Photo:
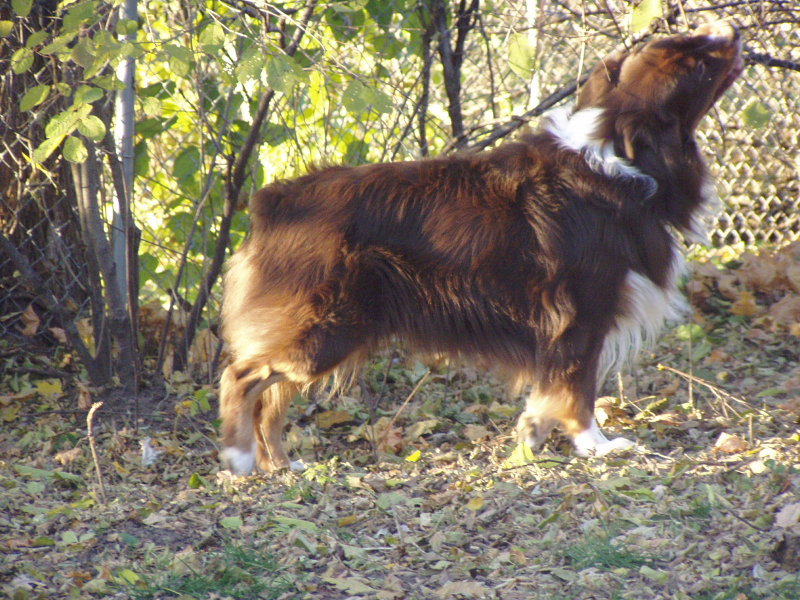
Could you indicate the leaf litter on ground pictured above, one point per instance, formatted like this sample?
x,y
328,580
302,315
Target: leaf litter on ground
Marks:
x,y
415,486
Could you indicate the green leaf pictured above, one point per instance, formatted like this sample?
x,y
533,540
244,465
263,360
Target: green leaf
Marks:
x,y
195,481
212,38
151,107
660,577
757,114
7,27
690,332
388,499
292,523
187,163
74,150
109,82
93,128
276,134
231,522
78,14
141,161
87,94
36,39
42,541
32,472
69,537
356,153
644,13
281,74
359,98
251,64
58,44
345,21
46,148
129,540
64,122
34,487
147,128
21,60
22,7
34,96
127,27
354,97
377,100
128,576
83,53
521,55
180,59
67,477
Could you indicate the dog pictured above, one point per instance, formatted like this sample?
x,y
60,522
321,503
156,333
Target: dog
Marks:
x,y
551,259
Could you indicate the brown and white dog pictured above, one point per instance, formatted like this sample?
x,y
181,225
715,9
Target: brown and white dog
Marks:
x,y
552,258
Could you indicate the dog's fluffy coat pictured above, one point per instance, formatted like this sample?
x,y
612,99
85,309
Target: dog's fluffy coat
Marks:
x,y
549,258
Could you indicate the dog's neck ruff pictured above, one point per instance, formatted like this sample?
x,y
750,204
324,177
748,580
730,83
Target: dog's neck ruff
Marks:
x,y
577,131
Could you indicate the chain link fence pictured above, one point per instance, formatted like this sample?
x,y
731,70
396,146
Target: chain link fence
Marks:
x,y
750,139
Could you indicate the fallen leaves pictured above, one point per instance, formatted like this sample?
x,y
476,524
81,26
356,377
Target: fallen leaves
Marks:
x,y
438,501
30,321
765,285
730,443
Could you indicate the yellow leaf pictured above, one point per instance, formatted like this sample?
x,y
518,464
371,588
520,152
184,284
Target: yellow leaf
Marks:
x,y
745,305
522,455
331,418
120,469
475,503
9,413
414,456
50,388
348,520
645,13
183,408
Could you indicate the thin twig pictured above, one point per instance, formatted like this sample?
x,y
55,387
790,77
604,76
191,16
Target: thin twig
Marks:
x,y
410,396
717,391
93,446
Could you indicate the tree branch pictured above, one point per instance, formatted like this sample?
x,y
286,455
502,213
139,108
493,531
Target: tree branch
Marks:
x,y
752,58
235,182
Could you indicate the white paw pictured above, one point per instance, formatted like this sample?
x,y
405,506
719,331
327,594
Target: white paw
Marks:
x,y
298,466
615,445
592,442
238,461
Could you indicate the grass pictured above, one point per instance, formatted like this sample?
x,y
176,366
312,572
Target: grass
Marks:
x,y
236,571
600,552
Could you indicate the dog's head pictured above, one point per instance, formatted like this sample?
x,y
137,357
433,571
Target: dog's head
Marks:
x,y
667,85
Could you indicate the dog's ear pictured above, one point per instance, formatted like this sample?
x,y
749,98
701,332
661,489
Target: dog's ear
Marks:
x,y
645,141
603,78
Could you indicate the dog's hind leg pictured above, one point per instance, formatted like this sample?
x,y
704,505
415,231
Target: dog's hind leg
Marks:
x,y
270,417
241,387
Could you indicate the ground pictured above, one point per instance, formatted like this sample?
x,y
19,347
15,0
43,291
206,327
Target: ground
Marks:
x,y
415,488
